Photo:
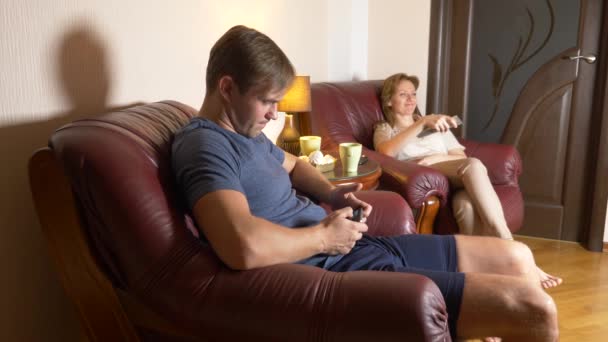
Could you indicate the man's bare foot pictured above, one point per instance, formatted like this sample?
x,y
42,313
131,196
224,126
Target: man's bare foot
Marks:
x,y
547,280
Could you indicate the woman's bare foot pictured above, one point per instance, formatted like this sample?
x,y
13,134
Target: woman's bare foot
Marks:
x,y
547,280
492,339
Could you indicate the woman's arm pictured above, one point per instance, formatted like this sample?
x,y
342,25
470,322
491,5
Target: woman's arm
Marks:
x,y
392,146
438,122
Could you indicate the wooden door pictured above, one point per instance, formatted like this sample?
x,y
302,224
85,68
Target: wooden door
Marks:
x,y
511,69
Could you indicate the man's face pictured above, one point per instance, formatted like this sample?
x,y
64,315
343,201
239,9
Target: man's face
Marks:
x,y
250,112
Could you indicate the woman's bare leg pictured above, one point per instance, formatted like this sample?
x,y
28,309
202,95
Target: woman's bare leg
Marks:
x,y
471,174
467,219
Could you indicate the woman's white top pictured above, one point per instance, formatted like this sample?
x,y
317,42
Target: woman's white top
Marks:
x,y
420,146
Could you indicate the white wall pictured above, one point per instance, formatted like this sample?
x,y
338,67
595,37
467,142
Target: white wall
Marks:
x,y
63,59
347,39
399,40
151,51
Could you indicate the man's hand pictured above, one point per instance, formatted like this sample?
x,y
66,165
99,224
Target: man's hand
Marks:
x,y
339,234
343,196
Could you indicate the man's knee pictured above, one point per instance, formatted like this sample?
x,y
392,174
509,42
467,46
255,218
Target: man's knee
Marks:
x,y
520,257
541,311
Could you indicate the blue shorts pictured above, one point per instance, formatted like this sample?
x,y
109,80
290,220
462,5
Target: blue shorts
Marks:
x,y
433,256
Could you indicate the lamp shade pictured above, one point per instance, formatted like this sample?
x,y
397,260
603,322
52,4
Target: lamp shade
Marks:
x,y
297,98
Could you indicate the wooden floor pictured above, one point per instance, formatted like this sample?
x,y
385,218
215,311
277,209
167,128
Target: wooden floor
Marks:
x,y
582,300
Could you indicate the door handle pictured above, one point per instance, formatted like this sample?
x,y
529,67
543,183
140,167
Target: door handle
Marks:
x,y
590,59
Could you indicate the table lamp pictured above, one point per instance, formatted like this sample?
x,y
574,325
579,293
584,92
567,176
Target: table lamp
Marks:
x,y
296,100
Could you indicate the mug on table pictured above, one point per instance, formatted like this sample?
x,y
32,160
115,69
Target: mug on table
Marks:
x,y
350,154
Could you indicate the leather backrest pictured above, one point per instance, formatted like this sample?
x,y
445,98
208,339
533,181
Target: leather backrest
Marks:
x,y
119,168
346,112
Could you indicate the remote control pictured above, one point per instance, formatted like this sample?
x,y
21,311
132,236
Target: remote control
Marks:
x,y
457,119
357,215
428,131
363,159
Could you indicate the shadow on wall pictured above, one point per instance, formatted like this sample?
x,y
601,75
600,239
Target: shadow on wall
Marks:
x,y
34,304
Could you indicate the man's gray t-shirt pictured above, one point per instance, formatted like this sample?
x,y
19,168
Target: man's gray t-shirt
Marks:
x,y
207,158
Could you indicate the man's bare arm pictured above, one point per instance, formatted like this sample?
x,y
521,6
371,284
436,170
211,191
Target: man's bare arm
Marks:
x,y
243,241
306,178
309,180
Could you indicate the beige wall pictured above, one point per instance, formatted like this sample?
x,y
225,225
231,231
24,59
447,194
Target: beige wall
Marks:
x,y
65,59
148,51
399,40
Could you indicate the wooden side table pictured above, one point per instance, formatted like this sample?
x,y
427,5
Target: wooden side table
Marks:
x,y
367,174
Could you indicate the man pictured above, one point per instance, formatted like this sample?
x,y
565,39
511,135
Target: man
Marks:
x,y
240,188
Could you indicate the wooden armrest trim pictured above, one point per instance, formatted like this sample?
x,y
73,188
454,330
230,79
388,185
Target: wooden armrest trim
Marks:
x,y
426,215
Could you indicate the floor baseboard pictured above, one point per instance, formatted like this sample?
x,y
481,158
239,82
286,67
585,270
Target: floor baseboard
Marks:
x,y
606,247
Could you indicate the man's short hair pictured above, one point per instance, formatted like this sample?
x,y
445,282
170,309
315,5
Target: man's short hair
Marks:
x,y
251,58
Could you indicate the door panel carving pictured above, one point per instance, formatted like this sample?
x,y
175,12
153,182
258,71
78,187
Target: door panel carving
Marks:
x,y
508,72
538,128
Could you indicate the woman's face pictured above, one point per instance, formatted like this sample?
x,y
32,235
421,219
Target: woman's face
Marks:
x,y
403,101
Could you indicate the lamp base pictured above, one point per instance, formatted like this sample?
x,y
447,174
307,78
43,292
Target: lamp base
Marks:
x,y
289,139
291,147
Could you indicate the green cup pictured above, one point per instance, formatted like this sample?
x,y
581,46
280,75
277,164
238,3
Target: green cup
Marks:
x,y
309,144
350,153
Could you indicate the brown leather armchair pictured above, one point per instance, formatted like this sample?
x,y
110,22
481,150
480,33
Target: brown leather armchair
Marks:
x,y
130,260
347,111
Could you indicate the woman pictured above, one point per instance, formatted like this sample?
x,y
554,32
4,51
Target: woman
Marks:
x,y
427,140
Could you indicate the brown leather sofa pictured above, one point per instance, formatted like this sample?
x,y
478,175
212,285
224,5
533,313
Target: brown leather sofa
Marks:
x,y
130,260
347,111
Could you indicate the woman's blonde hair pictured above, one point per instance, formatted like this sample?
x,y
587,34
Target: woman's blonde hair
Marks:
x,y
388,89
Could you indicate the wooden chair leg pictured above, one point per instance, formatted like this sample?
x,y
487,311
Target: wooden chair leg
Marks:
x,y
426,215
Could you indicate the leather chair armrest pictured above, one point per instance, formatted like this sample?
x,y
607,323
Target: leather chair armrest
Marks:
x,y
502,161
391,215
304,303
416,183
368,314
